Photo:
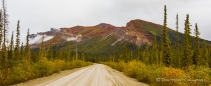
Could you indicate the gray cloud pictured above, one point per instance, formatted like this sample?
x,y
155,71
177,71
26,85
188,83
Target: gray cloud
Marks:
x,y
41,15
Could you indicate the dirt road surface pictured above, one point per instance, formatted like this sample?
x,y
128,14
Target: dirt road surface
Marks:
x,y
95,75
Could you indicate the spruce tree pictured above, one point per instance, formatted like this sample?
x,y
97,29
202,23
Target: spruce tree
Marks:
x,y
27,48
5,22
68,53
1,35
17,44
11,47
146,54
205,54
209,58
177,44
125,53
187,53
4,52
196,52
177,32
1,28
21,51
160,52
50,53
56,51
167,59
155,51
61,55
42,51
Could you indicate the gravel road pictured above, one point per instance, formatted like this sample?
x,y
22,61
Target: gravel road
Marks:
x,y
95,75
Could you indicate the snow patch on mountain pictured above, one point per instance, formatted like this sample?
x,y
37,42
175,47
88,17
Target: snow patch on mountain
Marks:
x,y
71,38
75,38
38,39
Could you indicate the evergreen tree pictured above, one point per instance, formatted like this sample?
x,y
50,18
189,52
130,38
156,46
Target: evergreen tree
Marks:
x,y
76,53
56,51
61,55
16,51
42,51
50,53
83,56
1,28
4,52
21,51
209,56
68,53
10,53
5,23
187,53
155,51
27,49
125,53
146,54
177,32
167,59
160,52
196,52
177,45
205,54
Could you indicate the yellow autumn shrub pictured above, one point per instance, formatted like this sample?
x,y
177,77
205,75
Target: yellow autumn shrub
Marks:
x,y
21,72
172,76
120,65
200,73
133,67
58,65
149,74
44,68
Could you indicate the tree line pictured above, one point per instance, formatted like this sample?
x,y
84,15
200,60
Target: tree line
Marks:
x,y
191,51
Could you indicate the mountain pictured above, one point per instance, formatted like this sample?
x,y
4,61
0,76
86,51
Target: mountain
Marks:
x,y
103,38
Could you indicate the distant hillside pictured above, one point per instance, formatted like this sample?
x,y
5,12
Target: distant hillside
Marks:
x,y
104,38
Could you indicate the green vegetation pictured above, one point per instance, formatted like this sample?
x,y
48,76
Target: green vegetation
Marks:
x,y
165,64
167,56
187,58
158,75
18,64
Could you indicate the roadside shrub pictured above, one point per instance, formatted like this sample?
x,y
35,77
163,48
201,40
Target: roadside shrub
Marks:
x,y
159,75
172,76
21,72
69,65
202,73
111,64
44,68
24,70
133,67
149,74
120,65
79,63
58,66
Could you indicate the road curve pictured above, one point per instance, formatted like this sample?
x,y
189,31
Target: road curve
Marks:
x,y
95,75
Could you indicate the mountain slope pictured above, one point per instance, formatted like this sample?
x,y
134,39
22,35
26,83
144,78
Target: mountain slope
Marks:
x,y
105,38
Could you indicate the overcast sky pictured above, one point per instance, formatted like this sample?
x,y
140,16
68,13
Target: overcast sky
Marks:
x,y
41,15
